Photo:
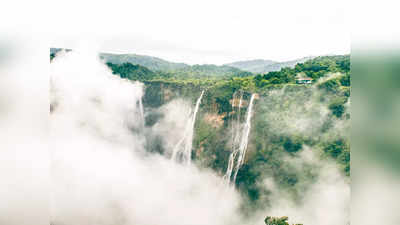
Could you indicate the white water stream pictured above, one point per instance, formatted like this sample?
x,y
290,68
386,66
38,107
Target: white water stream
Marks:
x,y
240,142
182,151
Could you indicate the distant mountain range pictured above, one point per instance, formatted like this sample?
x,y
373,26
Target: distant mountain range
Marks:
x,y
167,68
265,66
239,68
153,63
157,64
252,65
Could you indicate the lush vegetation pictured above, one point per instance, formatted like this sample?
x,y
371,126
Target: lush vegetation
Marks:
x,y
277,221
288,118
199,74
211,76
146,68
132,72
207,71
170,70
272,138
319,66
315,68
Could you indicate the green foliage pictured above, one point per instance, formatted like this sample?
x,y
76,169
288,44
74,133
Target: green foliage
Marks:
x,y
277,220
337,106
180,71
132,72
246,180
285,75
153,96
292,144
273,140
314,68
335,148
146,68
345,80
319,66
331,85
208,71
339,150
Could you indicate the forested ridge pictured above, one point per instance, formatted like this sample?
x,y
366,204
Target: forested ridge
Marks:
x,y
200,75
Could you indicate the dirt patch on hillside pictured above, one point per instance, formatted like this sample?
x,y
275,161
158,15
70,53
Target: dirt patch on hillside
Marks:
x,y
215,120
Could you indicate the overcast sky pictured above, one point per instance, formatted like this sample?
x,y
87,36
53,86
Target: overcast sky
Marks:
x,y
206,31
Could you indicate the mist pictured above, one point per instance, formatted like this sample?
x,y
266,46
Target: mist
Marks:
x,y
172,126
325,200
24,156
100,174
103,170
321,193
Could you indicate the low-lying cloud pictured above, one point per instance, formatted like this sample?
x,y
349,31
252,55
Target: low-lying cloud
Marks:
x,y
99,173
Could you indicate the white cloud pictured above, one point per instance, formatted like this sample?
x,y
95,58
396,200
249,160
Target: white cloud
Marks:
x,y
100,172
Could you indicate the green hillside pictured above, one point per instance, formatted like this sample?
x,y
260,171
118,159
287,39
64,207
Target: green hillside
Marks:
x,y
153,63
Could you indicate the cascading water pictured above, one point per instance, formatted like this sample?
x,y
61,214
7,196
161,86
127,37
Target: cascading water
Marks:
x,y
182,151
141,112
240,151
245,137
235,139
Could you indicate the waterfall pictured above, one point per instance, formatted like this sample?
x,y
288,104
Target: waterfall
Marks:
x,y
235,138
240,150
183,149
141,112
245,137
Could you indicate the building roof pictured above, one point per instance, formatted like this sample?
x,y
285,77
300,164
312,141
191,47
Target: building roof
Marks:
x,y
304,78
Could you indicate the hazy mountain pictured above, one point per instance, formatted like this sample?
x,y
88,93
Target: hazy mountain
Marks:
x,y
153,63
125,64
280,65
265,66
255,66
158,64
174,69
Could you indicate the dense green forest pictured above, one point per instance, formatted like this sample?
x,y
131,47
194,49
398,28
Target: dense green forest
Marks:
x,y
196,72
272,135
288,118
200,75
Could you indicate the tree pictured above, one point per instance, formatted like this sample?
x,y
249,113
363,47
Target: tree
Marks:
x,y
277,220
337,107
